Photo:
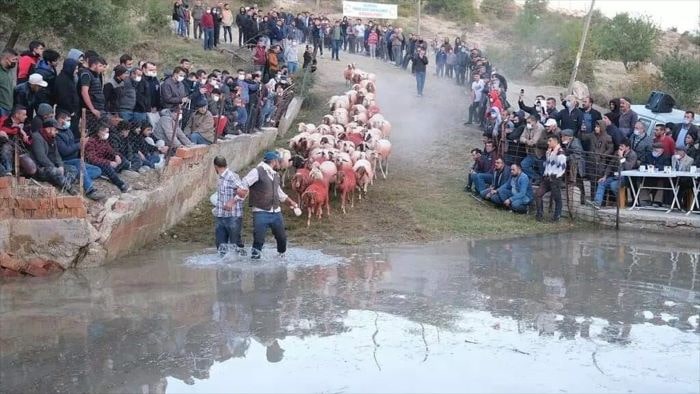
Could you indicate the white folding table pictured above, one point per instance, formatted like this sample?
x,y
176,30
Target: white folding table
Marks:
x,y
673,180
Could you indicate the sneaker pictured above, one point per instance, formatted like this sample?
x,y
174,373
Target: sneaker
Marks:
x,y
282,256
593,204
94,194
467,189
241,252
125,188
255,254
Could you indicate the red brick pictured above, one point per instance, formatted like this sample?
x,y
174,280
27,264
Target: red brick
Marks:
x,y
9,261
5,182
80,213
63,213
22,180
73,201
5,213
42,213
175,162
184,153
46,203
18,213
5,193
58,203
27,203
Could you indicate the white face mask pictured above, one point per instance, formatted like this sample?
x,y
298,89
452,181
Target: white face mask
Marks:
x,y
686,121
656,153
677,157
105,137
215,98
529,126
151,74
137,79
66,126
180,78
637,132
241,77
215,84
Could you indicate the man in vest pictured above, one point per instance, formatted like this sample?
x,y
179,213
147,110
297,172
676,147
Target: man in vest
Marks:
x,y
266,195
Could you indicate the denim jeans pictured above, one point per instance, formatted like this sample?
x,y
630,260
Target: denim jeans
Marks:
x,y
292,67
151,160
208,38
611,183
482,180
420,81
111,173
532,167
199,139
136,117
264,220
91,172
227,230
335,49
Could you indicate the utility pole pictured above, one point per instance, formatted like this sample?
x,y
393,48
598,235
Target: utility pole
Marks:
x,y
583,44
318,5
419,10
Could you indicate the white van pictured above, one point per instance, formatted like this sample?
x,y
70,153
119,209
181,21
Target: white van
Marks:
x,y
651,119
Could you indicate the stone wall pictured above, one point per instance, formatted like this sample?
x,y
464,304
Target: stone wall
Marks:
x,y
36,223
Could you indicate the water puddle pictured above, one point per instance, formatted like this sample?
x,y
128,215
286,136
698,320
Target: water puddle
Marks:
x,y
581,312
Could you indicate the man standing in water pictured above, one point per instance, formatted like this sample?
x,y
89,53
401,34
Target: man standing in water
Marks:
x,y
228,209
263,183
420,61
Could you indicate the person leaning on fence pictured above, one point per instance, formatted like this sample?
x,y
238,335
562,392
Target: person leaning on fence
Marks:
x,y
553,179
610,181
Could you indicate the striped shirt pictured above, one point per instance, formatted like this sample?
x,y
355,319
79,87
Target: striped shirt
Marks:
x,y
227,185
555,163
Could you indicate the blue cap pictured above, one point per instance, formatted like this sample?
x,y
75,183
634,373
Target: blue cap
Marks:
x,y
271,155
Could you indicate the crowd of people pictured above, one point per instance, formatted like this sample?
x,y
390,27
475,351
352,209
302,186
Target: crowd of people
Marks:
x,y
135,115
547,145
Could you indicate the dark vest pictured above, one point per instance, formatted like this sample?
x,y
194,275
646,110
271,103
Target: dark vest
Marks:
x,y
95,90
263,193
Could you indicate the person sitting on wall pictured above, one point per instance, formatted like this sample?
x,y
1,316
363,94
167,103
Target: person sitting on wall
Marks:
x,y
100,153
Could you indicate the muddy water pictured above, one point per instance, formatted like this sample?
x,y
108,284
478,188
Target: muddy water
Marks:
x,y
584,312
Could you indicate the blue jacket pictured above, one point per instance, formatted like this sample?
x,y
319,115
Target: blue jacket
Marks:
x,y
520,188
68,148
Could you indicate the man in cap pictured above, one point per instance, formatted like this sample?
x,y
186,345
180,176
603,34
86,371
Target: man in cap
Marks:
x,y
228,209
200,125
32,93
45,153
266,195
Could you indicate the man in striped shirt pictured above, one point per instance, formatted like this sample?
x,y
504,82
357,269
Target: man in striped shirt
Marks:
x,y
553,179
228,210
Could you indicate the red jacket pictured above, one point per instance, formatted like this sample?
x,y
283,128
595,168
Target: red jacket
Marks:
x,y
6,126
668,143
99,152
207,21
259,56
26,64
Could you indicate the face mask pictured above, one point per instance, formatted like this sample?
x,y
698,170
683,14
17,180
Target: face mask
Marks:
x,y
152,74
180,78
656,153
66,126
215,84
215,98
241,77
637,132
105,137
686,121
137,79
677,157
529,126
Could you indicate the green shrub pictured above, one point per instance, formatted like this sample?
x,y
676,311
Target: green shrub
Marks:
x,y
681,74
156,17
499,8
462,10
627,39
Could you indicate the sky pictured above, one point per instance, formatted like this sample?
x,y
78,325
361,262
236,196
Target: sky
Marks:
x,y
682,14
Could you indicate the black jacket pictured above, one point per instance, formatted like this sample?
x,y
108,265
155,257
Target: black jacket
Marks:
x,y
45,153
66,94
68,148
570,120
692,130
419,63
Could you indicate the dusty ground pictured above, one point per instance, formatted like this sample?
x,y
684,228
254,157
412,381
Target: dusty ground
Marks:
x,y
422,200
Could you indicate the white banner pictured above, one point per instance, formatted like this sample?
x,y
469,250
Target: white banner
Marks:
x,y
358,9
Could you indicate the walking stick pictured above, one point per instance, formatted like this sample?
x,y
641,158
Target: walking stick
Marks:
x,y
218,119
16,158
82,126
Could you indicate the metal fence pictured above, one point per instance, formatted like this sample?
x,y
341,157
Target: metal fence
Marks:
x,y
584,170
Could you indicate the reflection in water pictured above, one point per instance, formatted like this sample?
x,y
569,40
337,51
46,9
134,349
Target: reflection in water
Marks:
x,y
582,312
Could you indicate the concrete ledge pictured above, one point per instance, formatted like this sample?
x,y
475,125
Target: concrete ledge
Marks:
x,y
130,220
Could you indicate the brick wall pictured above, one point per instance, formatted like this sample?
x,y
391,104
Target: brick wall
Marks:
x,y
20,200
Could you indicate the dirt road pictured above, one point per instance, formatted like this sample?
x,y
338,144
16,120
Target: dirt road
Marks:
x,y
422,200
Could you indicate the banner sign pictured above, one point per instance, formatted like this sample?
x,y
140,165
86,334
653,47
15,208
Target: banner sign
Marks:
x,y
358,9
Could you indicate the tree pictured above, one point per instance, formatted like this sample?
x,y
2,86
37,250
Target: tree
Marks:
x,y
102,23
627,39
681,74
499,8
459,9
